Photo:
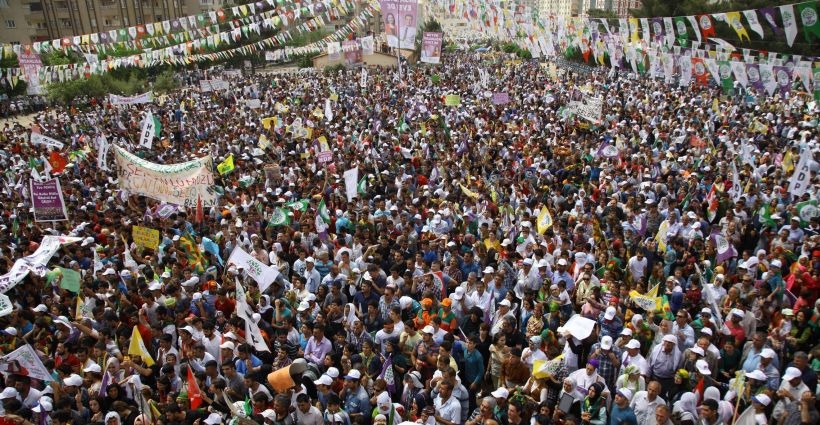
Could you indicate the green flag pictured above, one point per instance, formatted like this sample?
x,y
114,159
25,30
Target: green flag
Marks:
x,y
324,214
806,211
361,187
435,78
726,79
300,205
681,33
809,19
70,280
280,217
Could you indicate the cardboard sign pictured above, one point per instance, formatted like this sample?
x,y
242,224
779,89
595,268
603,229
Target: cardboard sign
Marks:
x,y
145,237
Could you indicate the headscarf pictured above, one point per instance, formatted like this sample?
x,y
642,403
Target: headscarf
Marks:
x,y
687,404
351,315
112,415
575,393
593,404
267,306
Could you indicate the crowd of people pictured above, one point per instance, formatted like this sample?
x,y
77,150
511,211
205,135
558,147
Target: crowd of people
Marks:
x,y
441,293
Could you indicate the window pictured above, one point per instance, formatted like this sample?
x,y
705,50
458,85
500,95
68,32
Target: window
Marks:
x,y
10,23
41,26
158,18
35,7
93,23
107,22
66,23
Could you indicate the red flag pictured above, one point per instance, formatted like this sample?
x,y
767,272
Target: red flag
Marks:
x,y
193,390
200,214
707,27
57,162
700,71
697,142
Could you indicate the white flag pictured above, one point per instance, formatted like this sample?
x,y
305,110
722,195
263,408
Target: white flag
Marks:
x,y
328,110
754,23
148,131
789,22
802,174
262,274
24,361
351,181
363,78
737,191
252,333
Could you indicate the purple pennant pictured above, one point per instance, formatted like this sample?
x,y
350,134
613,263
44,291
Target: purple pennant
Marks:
x,y
753,74
784,79
657,27
769,16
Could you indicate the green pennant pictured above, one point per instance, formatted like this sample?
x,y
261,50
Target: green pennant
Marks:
x,y
300,205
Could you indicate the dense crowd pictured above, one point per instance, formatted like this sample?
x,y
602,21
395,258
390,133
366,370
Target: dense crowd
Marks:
x,y
441,293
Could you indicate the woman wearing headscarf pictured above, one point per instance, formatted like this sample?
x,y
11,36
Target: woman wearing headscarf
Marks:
x,y
568,388
686,409
112,418
412,386
593,409
725,408
631,379
265,308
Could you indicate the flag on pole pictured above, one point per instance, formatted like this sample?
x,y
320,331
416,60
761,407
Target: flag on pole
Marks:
x,y
137,347
361,187
194,394
300,205
200,213
712,205
387,374
725,250
279,217
24,361
150,128
323,212
544,220
226,166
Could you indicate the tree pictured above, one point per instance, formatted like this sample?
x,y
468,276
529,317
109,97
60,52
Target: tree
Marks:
x,y
600,13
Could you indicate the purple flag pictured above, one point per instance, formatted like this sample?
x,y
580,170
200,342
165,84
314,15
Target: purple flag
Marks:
x,y
723,248
657,28
753,74
784,79
104,384
768,16
388,375
607,150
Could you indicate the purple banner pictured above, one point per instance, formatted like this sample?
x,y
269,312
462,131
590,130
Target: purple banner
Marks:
x,y
431,47
784,79
768,16
753,72
502,98
47,199
400,22
352,52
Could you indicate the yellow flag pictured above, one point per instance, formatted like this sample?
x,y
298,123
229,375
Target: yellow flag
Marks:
x,y
633,30
544,220
226,166
788,162
267,121
137,347
653,292
733,19
468,192
78,313
661,236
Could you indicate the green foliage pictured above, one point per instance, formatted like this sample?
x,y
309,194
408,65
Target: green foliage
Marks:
x,y
66,91
165,82
431,25
524,54
510,48
333,69
60,58
18,90
303,61
601,13
9,61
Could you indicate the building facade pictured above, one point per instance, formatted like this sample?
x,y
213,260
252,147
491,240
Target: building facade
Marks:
x,y
26,21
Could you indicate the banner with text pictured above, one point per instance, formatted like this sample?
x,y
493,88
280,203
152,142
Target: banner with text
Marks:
x,y
48,202
145,237
400,22
589,108
35,262
431,47
181,184
115,100
30,63
262,274
213,85
39,139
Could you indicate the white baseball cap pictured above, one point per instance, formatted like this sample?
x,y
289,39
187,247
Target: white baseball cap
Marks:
x,y
353,374
703,367
767,353
610,313
500,393
324,380
633,343
792,373
73,380
756,374
606,342
95,368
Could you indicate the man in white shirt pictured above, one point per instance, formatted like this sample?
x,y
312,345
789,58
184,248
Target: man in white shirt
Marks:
x,y
790,391
632,356
532,353
448,408
644,403
307,414
637,266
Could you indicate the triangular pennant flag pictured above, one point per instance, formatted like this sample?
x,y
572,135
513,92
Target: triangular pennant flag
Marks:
x,y
137,347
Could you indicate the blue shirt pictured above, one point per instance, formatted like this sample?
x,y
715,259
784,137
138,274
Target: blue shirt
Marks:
x,y
473,367
357,401
623,416
242,368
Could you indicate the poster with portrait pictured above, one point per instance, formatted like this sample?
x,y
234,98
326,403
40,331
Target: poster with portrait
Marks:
x,y
367,45
334,51
399,17
352,51
431,47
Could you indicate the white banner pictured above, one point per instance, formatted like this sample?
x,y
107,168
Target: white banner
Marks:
x,y
367,45
180,184
589,108
115,100
262,274
213,85
351,181
39,139
24,361
35,262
